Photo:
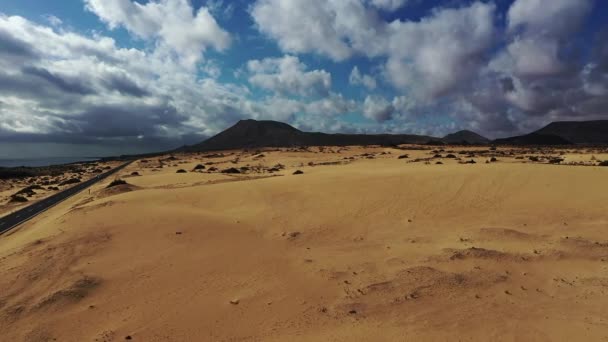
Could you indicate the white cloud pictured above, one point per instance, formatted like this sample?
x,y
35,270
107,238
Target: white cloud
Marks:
x,y
334,28
53,20
334,104
539,30
441,52
388,5
287,75
170,21
548,17
221,9
432,56
378,108
356,78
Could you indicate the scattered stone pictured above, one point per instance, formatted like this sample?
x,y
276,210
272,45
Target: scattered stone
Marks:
x,y
403,156
298,172
352,312
181,171
294,235
128,337
199,167
412,295
235,301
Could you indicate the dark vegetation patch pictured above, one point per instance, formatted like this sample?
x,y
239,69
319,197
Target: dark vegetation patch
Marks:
x,y
199,167
17,199
116,182
231,170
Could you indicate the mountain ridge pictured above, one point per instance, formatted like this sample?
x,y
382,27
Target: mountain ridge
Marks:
x,y
255,134
465,137
249,133
563,133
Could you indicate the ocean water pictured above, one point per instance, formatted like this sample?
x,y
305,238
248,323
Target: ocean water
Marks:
x,y
43,161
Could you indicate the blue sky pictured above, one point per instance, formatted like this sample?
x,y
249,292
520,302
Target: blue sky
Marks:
x,y
101,77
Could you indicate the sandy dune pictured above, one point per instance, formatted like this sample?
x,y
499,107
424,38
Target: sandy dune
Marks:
x,y
363,246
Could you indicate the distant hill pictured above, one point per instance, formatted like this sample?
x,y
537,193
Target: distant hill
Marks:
x,y
579,132
255,134
465,137
533,139
564,133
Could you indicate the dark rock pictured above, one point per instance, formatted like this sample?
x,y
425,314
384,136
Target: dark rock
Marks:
x,y
231,170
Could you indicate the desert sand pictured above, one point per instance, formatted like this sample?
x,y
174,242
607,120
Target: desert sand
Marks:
x,y
363,246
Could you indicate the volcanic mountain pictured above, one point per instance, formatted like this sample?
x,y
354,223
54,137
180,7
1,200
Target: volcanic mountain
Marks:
x,y
564,133
254,134
465,137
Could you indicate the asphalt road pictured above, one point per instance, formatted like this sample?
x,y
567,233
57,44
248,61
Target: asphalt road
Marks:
x,y
13,220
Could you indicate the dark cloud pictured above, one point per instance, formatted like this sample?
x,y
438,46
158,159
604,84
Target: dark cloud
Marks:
x,y
507,85
11,47
125,86
113,121
67,85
